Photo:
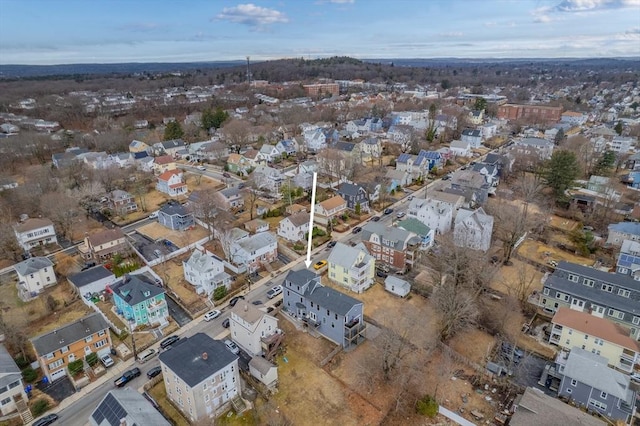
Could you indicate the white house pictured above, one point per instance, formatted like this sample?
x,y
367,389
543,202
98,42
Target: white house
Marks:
x,y
294,227
622,144
268,179
92,281
473,136
315,140
460,148
11,385
437,215
397,286
473,229
534,146
205,271
329,209
489,130
34,274
254,250
250,328
35,232
170,183
287,147
351,267
264,371
269,152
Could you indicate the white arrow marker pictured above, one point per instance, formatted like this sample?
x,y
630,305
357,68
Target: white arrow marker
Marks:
x,y
313,207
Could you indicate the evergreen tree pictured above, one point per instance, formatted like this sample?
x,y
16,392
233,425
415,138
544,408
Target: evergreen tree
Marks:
x,y
559,137
618,128
173,131
606,162
219,117
560,172
481,104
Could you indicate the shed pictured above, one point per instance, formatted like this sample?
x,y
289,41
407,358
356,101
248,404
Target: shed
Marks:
x,y
264,371
397,286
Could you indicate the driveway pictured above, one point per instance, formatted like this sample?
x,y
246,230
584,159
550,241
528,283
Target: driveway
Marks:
x,y
177,313
529,370
58,390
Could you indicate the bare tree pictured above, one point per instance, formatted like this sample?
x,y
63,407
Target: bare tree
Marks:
x,y
62,211
236,133
457,309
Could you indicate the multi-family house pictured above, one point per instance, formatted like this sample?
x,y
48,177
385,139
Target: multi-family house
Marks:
x,y
473,137
355,195
12,390
622,144
473,186
170,147
460,148
315,140
254,250
396,179
488,130
475,117
621,231
333,314
268,179
138,146
35,232
121,202
605,295
415,165
140,302
473,229
629,259
426,234
600,336
69,342
175,216
371,149
253,330
536,147
205,271
201,377
293,228
126,407
229,198
171,183
502,161
34,275
287,147
163,163
351,267
435,214
269,153
393,248
574,118
103,244
92,281
326,210
236,163
588,382
633,162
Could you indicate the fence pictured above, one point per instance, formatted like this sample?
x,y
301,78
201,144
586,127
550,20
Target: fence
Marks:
x,y
95,308
288,252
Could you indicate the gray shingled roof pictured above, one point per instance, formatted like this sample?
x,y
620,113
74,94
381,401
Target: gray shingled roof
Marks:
x,y
344,255
133,290
174,209
535,409
31,265
187,361
592,370
69,333
326,297
9,371
127,404
388,233
90,276
347,188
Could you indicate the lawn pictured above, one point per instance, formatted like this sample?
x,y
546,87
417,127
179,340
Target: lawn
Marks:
x,y
542,254
159,394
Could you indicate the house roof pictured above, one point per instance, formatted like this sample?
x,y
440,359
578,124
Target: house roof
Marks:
x,y
404,158
126,404
32,223
469,178
164,159
345,146
254,224
594,326
414,225
251,154
169,174
103,237
31,265
133,290
174,209
395,281
346,256
326,297
90,276
172,144
69,333
395,237
7,364
332,203
197,358
534,408
592,370
451,199
536,142
347,188
299,219
631,228
257,241
204,261
459,144
261,364
234,158
267,149
248,312
482,219
472,132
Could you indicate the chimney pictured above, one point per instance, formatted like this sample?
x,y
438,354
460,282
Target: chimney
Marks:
x,y
205,356
123,422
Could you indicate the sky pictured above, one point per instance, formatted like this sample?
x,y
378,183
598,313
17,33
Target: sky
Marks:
x,y
45,32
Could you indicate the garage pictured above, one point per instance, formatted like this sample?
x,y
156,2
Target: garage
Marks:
x,y
58,374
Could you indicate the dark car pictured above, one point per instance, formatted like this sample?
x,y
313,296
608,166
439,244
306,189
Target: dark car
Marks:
x,y
169,341
127,377
375,218
356,229
227,175
257,302
235,300
388,211
331,244
447,177
381,274
226,323
46,420
154,372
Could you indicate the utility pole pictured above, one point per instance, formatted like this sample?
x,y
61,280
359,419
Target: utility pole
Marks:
x,y
248,72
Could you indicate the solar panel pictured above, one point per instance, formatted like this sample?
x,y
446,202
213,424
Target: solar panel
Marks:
x,y
109,410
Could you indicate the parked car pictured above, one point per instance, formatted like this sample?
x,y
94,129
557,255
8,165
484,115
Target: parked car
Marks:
x,y
227,175
127,377
211,315
274,291
154,372
203,168
257,302
146,355
106,360
410,197
320,264
356,230
46,420
232,347
331,244
153,215
169,341
375,219
400,215
635,377
235,300
388,211
226,323
447,177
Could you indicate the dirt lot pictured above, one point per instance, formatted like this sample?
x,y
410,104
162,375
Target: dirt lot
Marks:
x,y
155,231
172,274
563,224
537,252
509,277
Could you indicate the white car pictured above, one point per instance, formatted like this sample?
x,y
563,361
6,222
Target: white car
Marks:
x,y
635,377
211,315
106,360
274,291
203,168
232,347
400,214
153,215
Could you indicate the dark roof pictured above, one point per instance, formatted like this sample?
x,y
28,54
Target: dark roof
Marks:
x,y
139,155
90,276
69,333
187,361
347,188
403,158
174,209
345,146
133,290
31,265
173,143
471,132
126,404
326,297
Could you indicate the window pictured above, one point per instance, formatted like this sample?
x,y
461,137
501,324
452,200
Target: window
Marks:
x,y
603,395
636,320
574,382
64,349
206,398
587,282
56,364
101,343
573,278
624,293
608,288
5,401
545,291
570,331
568,390
88,339
586,337
101,333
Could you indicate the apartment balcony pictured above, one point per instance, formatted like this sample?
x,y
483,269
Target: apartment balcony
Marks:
x,y
156,306
554,339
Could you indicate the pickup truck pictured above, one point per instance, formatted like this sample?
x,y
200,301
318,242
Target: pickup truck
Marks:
x,y
127,377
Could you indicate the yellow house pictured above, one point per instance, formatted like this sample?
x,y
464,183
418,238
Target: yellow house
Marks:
x,y
163,164
71,342
352,267
572,328
476,117
138,146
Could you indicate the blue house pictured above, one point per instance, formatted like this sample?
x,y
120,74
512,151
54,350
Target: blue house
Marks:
x,y
175,216
433,159
139,301
333,314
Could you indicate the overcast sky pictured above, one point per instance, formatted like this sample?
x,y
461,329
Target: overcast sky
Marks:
x,y
107,31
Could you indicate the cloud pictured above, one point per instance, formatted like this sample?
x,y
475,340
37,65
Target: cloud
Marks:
x,y
592,5
142,27
632,34
452,34
253,16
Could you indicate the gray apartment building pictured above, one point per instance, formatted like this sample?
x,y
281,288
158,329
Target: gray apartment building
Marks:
x,y
606,295
333,314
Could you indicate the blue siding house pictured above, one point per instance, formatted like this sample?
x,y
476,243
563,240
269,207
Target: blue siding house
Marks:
x,y
333,314
175,216
140,302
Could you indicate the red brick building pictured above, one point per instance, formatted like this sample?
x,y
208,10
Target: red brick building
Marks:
x,y
393,247
537,113
322,89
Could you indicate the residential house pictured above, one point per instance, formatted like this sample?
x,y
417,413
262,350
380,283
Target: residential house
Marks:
x,y
588,382
256,226
488,130
145,164
536,147
12,389
255,250
121,159
396,179
140,302
433,159
355,196
629,259
121,202
201,377
618,232
415,165
124,407
603,294
426,234
92,281
163,163
622,144
598,183
371,149
392,247
171,183
333,314
65,159
490,173
230,198
461,148
633,162
294,228
205,271
308,166
574,118
329,209
253,158
534,408
170,147
35,232
598,335
69,342
269,153
268,179
437,215
294,208
7,183
315,140
473,136
476,117
252,329
104,244
473,229
373,188
208,151
400,134
287,147
351,267
175,216
264,371
473,186
236,163
34,275
397,286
